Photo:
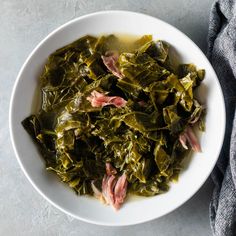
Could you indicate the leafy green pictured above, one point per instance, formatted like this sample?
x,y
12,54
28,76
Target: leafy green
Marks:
x,y
139,138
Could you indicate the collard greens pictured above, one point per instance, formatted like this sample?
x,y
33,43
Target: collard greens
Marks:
x,y
104,102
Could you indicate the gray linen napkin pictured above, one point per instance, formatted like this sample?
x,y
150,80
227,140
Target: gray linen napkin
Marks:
x,y
222,54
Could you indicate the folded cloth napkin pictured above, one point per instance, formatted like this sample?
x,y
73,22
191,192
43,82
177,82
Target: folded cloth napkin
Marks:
x,y
222,54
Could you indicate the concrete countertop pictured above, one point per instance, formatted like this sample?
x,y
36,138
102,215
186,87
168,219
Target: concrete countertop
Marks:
x,y
23,25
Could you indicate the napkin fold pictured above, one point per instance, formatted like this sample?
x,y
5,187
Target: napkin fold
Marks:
x,y
222,54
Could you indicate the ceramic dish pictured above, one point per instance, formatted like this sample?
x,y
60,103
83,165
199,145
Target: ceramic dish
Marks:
x,y
136,210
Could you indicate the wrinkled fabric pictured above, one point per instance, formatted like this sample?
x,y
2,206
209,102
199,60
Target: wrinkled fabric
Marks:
x,y
222,54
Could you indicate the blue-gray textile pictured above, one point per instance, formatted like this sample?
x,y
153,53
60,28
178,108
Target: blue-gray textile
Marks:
x,y
222,54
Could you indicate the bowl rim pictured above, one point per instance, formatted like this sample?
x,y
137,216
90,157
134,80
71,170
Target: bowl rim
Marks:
x,y
61,27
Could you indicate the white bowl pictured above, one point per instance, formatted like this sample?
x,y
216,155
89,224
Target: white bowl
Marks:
x,y
136,210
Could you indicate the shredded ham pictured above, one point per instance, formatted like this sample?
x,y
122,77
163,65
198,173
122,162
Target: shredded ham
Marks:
x,y
110,61
108,184
110,170
189,136
113,190
183,141
111,183
120,191
100,100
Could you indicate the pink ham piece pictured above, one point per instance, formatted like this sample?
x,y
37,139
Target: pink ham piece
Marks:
x,y
110,170
108,185
114,190
120,191
100,100
189,136
183,141
110,189
110,61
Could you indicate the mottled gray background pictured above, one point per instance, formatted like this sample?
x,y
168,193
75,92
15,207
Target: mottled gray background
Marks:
x,y
24,23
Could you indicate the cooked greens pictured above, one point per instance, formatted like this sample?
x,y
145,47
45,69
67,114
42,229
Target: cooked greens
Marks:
x,y
116,117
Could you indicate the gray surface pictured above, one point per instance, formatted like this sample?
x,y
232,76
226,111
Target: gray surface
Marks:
x,y
23,24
